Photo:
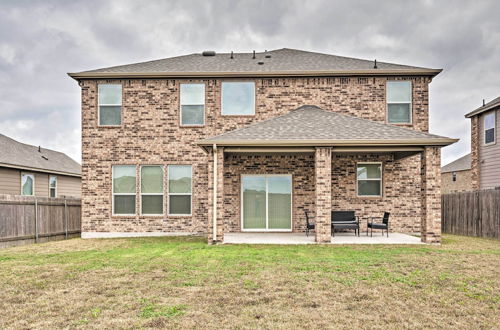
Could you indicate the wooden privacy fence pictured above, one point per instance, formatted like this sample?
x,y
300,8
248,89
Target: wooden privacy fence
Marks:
x,y
30,219
471,213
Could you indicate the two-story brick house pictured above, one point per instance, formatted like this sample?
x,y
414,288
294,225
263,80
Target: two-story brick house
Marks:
x,y
485,151
280,133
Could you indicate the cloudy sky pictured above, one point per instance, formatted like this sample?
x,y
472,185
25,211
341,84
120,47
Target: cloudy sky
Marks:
x,y
40,41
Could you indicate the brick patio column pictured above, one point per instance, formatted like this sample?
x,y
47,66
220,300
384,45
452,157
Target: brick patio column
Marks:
x,y
474,146
431,195
323,183
218,178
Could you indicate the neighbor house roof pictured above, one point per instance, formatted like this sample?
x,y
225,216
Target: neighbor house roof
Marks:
x,y
24,156
280,62
313,126
488,106
461,164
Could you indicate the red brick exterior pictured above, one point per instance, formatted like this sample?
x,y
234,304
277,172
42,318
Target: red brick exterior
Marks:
x,y
150,134
323,185
431,195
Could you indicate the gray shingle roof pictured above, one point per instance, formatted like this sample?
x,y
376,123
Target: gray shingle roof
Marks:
x,y
17,154
488,106
281,60
312,125
461,164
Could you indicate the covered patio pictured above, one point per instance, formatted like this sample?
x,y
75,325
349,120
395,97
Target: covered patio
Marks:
x,y
308,162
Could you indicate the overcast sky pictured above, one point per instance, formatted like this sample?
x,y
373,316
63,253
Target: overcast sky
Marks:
x,y
40,41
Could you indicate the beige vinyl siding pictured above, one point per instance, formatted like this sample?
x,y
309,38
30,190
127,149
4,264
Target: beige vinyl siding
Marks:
x,y
10,181
489,164
41,184
68,186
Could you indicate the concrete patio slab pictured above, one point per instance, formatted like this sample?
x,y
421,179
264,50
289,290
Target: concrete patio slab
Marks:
x,y
301,238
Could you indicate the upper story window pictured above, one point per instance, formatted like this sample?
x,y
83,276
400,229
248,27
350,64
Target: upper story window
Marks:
x,y
27,184
369,179
53,186
238,98
124,189
110,104
192,104
454,176
489,128
399,102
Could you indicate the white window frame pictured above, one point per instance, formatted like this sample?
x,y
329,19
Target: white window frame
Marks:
x,y
55,188
179,194
222,98
106,104
494,128
34,185
267,203
113,194
381,179
152,194
387,101
180,105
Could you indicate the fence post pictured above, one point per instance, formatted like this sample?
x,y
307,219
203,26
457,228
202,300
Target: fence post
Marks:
x,y
65,218
36,220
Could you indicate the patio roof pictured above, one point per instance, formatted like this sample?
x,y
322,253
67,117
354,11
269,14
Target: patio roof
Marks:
x,y
312,126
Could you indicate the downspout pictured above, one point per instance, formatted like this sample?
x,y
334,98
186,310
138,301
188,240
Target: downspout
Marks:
x,y
214,213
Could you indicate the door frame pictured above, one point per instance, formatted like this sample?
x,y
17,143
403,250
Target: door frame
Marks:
x,y
267,202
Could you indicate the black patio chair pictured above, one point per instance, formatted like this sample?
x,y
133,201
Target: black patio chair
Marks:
x,y
309,225
384,225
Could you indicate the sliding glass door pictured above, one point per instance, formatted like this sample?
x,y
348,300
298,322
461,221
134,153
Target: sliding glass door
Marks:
x,y
266,202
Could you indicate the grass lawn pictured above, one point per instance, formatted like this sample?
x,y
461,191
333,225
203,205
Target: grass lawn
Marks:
x,y
184,283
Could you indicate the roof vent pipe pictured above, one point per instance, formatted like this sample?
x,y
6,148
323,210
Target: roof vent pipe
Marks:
x,y
232,55
253,55
208,53
484,103
39,149
375,65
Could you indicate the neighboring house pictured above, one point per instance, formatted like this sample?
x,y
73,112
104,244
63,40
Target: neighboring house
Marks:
x,y
281,133
34,171
485,149
456,176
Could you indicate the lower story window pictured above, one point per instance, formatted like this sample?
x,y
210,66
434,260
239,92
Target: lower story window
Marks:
x,y
179,189
124,189
27,184
369,179
151,189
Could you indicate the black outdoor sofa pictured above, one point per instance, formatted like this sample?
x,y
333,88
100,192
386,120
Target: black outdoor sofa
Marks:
x,y
345,220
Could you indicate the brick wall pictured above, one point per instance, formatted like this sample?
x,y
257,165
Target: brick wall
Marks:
x,y
431,195
474,146
150,134
463,182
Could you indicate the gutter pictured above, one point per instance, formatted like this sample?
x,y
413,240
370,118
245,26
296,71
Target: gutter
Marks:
x,y
240,74
42,170
334,143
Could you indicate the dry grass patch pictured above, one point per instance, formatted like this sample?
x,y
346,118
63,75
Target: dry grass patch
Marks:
x,y
184,283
